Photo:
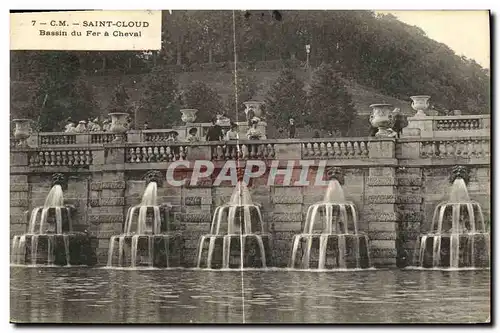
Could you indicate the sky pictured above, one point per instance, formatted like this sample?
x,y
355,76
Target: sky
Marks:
x,y
465,32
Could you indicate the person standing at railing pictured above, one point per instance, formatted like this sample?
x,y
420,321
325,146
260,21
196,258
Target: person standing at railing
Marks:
x,y
193,135
81,128
253,132
106,125
291,128
232,135
214,133
70,126
400,121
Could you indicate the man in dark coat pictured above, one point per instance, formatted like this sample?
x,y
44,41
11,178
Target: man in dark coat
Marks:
x,y
214,133
291,128
400,122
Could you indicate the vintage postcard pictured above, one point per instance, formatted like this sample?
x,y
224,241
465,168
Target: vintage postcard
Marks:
x,y
250,166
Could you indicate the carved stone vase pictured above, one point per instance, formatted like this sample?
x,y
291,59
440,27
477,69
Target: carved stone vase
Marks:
x,y
22,131
118,125
420,104
188,115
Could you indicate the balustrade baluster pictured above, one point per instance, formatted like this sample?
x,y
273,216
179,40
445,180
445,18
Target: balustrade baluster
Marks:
x,y
336,149
219,152
163,156
82,157
272,152
244,151
149,157
183,151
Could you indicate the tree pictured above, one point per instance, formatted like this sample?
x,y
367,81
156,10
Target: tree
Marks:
x,y
159,105
120,100
247,88
330,105
286,98
198,95
60,92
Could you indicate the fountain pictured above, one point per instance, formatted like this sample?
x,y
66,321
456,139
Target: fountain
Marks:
x,y
238,237
458,236
50,239
147,239
330,238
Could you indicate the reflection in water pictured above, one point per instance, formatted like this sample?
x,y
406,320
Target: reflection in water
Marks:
x,y
278,296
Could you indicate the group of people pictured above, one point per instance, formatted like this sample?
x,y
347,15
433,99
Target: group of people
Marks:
x,y
217,133
91,125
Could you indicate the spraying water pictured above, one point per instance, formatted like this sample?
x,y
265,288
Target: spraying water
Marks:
x,y
238,237
146,238
458,236
50,225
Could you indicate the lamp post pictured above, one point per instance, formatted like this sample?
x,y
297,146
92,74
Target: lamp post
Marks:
x,y
308,50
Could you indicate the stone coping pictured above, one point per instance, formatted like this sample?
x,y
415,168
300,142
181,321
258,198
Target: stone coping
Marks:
x,y
447,138
453,117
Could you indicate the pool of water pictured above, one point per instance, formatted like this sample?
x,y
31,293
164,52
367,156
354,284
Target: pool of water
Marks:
x,y
97,295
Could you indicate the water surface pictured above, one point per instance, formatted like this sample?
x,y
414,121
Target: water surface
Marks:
x,y
97,295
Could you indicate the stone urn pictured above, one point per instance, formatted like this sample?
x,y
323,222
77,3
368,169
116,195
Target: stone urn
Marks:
x,y
253,109
118,125
382,118
22,131
189,115
420,104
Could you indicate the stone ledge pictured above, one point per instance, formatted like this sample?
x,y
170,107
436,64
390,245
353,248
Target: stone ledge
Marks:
x,y
106,218
382,243
95,186
381,216
197,217
19,187
411,199
94,202
381,198
412,216
381,181
192,201
290,227
383,226
18,202
18,219
382,253
286,217
411,181
116,201
296,199
120,184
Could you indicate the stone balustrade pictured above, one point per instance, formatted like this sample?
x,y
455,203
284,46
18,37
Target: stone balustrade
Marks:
x,y
102,137
451,126
244,150
55,138
335,148
60,157
449,148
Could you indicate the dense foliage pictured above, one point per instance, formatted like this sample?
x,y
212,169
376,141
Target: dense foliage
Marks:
x,y
286,99
60,93
329,104
159,105
200,96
